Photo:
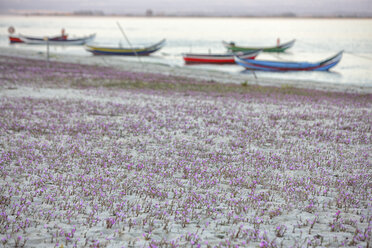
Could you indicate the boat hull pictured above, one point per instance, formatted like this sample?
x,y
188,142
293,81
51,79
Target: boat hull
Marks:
x,y
126,53
62,42
18,39
96,50
192,58
280,48
14,39
278,66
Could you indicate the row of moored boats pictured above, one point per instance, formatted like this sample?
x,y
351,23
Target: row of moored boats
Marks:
x,y
241,55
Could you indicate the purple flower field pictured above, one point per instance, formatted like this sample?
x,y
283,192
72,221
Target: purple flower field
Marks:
x,y
96,157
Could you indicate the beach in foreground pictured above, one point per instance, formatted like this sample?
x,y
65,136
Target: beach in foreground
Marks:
x,y
132,155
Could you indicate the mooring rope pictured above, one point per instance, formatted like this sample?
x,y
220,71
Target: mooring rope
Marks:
x,y
345,51
359,56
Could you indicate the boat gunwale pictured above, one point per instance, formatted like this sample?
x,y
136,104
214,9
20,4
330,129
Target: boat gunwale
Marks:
x,y
307,66
77,41
282,46
227,55
156,46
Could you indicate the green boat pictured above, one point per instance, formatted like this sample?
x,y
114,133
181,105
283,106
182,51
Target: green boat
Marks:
x,y
277,49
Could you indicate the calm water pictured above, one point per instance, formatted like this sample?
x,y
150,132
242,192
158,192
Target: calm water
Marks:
x,y
316,39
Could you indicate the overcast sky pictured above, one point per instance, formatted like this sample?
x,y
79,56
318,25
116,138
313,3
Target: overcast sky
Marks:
x,y
198,6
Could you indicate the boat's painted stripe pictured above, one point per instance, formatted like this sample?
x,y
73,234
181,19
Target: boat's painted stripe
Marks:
x,y
56,38
226,55
154,47
249,65
116,50
18,39
228,58
258,65
144,52
78,41
218,58
15,40
268,68
213,59
280,48
208,60
278,64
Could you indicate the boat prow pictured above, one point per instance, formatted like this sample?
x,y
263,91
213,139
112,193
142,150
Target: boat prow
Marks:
x,y
18,38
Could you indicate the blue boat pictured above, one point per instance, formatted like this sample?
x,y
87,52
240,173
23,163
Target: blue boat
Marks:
x,y
267,65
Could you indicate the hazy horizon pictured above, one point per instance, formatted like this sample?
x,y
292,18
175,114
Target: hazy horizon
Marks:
x,y
233,7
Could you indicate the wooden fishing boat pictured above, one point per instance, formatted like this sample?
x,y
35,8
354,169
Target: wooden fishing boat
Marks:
x,y
64,42
18,39
135,51
207,58
278,48
265,65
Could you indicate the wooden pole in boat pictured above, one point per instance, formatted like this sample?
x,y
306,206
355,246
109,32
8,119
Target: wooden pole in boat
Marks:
x,y
254,74
134,50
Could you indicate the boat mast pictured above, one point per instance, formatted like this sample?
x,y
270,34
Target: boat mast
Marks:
x,y
125,36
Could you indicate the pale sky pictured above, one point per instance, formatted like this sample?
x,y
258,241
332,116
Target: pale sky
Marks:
x,y
193,6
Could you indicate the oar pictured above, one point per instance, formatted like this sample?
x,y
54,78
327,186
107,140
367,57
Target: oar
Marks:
x,y
134,50
327,49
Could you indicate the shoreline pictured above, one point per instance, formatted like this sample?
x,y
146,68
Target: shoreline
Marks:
x,y
183,71
345,17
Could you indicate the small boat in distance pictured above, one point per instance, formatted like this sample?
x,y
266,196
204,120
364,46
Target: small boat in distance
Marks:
x,y
280,66
231,46
17,39
64,42
207,58
135,51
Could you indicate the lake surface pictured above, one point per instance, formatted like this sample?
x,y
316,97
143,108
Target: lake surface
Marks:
x,y
316,39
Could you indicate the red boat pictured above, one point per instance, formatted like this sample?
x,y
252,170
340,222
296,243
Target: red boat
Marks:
x,y
227,58
15,39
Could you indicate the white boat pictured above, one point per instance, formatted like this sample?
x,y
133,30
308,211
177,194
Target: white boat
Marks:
x,y
75,41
